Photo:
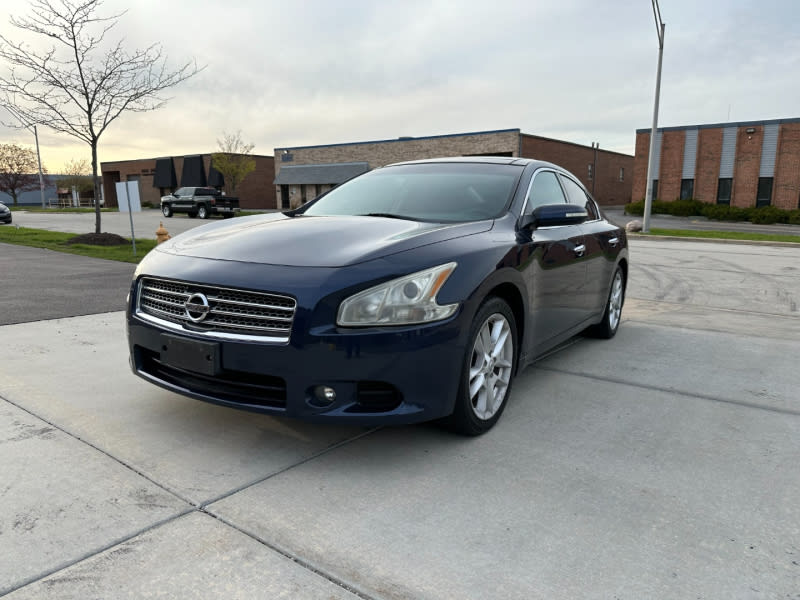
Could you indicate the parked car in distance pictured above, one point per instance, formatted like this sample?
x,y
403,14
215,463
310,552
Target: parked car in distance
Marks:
x,y
199,202
413,292
5,213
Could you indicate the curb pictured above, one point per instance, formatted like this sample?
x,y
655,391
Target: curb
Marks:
x,y
675,238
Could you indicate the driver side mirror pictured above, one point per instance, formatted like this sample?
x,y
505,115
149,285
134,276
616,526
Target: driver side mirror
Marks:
x,y
553,215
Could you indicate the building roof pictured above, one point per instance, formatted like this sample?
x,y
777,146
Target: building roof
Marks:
x,y
328,173
400,139
721,125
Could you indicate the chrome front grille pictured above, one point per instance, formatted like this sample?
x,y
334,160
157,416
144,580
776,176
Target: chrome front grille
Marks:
x,y
215,311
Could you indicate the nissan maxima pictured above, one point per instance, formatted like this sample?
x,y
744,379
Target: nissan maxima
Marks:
x,y
413,292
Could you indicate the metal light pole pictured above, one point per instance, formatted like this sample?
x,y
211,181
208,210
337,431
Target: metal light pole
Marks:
x,y
28,126
648,199
39,158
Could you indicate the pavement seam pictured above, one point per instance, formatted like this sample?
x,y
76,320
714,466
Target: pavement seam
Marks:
x,y
331,448
45,574
319,571
618,381
103,452
192,508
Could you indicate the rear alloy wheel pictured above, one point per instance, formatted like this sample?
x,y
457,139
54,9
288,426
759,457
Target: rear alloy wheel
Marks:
x,y
488,370
607,328
202,211
166,210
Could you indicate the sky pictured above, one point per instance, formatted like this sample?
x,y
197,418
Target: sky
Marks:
x,y
324,72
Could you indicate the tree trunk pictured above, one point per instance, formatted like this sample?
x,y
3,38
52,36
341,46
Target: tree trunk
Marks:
x,y
13,196
97,182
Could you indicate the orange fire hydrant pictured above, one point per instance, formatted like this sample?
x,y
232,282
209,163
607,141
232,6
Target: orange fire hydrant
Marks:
x,y
162,235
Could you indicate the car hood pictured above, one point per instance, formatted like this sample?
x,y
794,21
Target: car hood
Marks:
x,y
305,241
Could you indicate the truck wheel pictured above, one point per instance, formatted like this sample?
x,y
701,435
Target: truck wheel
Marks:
x,y
227,215
166,210
202,211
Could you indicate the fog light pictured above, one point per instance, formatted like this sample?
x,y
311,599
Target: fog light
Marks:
x,y
325,394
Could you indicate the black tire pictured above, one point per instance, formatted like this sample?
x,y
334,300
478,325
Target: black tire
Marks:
x,y
227,215
493,315
202,211
166,210
612,315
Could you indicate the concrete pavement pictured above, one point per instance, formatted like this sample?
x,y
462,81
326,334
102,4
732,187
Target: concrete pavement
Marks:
x,y
660,464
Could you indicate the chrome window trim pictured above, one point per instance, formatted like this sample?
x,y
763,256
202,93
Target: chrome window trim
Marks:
x,y
530,185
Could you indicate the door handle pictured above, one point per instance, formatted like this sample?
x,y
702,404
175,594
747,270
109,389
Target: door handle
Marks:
x,y
579,250
614,241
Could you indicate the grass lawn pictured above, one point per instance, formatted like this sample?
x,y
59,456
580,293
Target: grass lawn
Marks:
x,y
726,235
39,209
57,240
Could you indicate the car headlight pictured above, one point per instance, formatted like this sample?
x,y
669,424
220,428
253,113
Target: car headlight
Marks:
x,y
404,301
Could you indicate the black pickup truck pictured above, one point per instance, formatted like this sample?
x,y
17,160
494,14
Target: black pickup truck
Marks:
x,y
199,202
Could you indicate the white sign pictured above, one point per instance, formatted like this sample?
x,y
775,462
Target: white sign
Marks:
x,y
128,200
128,196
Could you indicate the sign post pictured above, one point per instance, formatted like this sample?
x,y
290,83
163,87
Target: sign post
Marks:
x,y
129,201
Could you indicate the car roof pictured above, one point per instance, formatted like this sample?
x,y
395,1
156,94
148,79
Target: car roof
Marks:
x,y
496,160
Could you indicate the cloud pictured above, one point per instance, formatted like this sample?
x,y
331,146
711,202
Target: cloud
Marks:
x,y
318,72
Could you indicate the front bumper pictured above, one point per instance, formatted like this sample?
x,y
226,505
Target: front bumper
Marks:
x,y
5,218
380,376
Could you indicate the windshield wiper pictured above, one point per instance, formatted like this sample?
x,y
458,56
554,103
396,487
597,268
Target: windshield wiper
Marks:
x,y
389,216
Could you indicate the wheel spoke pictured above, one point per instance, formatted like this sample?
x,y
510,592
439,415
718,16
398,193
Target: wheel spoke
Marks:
x,y
480,404
500,344
476,384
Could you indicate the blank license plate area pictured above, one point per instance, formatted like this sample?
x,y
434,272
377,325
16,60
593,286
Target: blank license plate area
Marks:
x,y
191,355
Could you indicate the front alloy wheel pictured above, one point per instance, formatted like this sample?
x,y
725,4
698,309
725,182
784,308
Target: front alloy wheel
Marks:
x,y
166,210
607,328
488,369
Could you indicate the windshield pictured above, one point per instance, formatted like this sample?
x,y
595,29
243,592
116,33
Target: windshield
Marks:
x,y
439,192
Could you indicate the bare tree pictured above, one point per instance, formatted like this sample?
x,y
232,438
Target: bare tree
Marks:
x,y
18,170
80,84
78,174
233,159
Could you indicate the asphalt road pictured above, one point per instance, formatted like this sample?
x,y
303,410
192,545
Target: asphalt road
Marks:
x,y
660,464
146,222
41,284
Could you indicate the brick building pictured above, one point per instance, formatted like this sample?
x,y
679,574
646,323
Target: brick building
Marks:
x,y
303,172
752,163
161,176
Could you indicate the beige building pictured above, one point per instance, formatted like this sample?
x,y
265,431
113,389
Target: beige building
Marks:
x,y
304,172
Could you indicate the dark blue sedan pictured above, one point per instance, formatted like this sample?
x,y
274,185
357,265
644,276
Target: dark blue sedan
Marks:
x,y
413,292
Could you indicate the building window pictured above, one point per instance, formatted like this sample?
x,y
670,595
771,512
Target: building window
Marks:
x,y
724,190
764,197
687,189
590,171
622,173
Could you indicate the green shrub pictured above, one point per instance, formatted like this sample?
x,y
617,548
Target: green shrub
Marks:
x,y
766,215
725,212
684,208
635,208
